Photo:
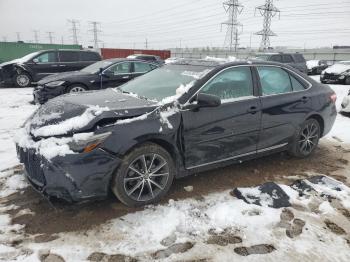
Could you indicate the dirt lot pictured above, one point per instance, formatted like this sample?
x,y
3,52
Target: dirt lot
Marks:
x,y
55,217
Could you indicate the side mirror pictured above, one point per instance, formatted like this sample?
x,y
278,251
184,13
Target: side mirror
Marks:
x,y
35,60
205,100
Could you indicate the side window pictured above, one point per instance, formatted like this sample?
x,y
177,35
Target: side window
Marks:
x,y
230,84
274,80
69,56
142,67
287,59
276,58
89,56
297,86
299,58
117,69
49,57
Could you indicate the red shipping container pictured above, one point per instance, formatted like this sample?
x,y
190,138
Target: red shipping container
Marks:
x,y
107,53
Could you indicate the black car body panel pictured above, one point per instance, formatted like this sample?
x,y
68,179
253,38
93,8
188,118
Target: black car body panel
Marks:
x,y
295,60
47,62
89,80
197,138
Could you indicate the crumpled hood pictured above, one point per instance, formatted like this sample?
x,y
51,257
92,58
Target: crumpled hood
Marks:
x,y
62,77
74,113
337,69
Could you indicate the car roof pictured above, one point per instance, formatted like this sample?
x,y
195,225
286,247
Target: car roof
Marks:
x,y
213,63
114,60
144,55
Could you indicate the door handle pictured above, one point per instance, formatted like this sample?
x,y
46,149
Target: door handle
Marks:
x,y
253,110
126,77
304,99
62,65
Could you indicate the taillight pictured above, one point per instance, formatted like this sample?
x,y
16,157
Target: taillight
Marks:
x,y
333,98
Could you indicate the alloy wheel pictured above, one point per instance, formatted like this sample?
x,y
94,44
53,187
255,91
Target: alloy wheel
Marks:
x,y
23,80
77,89
308,138
146,177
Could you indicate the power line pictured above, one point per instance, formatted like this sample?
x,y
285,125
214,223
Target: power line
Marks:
x,y
268,10
18,35
95,30
74,23
36,36
50,37
234,28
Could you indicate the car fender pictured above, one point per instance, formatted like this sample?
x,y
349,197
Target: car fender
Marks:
x,y
19,68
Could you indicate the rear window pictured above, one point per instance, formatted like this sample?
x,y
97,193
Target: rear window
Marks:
x,y
89,56
69,56
276,58
299,58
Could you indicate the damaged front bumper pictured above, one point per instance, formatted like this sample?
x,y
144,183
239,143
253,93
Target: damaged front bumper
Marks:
x,y
74,177
42,94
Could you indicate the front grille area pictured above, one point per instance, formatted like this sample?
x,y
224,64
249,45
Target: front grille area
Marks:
x,y
331,76
32,163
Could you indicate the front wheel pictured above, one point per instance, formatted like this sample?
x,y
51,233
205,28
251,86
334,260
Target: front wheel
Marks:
x,y
23,79
307,138
76,89
144,176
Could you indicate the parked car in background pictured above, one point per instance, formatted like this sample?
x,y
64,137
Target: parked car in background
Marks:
x,y
35,66
345,105
315,67
295,60
177,120
150,58
100,75
337,73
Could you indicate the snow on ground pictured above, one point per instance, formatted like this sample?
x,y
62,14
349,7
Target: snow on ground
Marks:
x,y
205,223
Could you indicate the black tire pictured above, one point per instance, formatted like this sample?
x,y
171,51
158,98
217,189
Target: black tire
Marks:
x,y
22,79
306,139
133,186
73,89
347,80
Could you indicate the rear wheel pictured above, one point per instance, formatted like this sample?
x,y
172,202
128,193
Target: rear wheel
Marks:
x,y
144,176
347,80
76,89
307,138
23,79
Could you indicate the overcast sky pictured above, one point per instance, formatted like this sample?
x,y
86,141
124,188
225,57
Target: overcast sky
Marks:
x,y
170,23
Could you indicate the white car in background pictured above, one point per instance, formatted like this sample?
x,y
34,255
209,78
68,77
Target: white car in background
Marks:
x,y
345,105
338,73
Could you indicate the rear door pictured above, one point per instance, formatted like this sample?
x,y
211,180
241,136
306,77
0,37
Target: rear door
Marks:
x,y
88,58
140,68
285,104
69,61
44,64
229,131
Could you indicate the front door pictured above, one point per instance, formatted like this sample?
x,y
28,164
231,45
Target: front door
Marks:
x,y
117,75
44,64
228,131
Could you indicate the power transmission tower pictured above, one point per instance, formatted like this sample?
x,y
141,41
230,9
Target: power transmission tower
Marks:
x,y
50,37
268,10
95,30
36,36
234,28
74,29
18,34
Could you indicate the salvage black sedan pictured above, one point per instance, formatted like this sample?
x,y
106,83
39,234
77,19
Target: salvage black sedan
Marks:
x,y
100,75
177,120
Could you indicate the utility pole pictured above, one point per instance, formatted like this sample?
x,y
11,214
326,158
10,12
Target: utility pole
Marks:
x,y
4,39
18,35
234,28
95,30
36,36
74,29
50,37
268,10
62,40
146,43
